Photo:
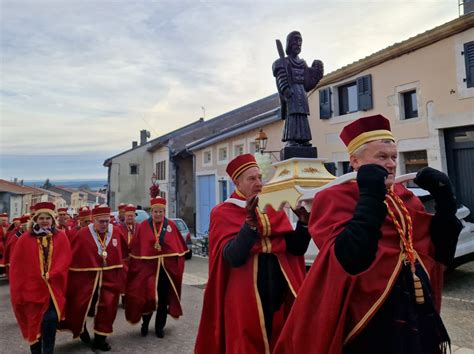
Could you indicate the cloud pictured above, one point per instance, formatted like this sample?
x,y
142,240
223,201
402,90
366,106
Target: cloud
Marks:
x,y
82,76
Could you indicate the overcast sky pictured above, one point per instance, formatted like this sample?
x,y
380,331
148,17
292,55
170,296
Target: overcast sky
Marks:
x,y
81,78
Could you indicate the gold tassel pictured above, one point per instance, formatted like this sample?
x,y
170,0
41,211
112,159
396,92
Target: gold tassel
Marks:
x,y
419,297
44,241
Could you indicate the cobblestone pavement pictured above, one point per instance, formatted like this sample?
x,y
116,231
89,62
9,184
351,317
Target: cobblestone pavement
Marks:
x,y
457,313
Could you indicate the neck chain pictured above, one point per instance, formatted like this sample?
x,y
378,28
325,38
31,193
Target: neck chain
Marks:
x,y
103,246
157,235
407,239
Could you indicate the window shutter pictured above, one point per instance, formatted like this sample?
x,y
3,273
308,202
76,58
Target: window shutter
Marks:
x,y
364,92
469,58
325,103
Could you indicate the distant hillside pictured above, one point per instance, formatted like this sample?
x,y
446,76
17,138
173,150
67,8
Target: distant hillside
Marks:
x,y
93,184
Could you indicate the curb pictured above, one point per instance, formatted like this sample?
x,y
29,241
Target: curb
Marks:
x,y
461,350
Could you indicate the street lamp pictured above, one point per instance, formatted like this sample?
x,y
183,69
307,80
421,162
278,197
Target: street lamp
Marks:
x,y
261,141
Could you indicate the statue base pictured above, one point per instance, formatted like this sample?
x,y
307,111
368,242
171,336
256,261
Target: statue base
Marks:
x,y
288,152
302,172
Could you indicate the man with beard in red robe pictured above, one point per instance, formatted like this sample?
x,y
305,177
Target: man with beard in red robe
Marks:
x,y
94,279
155,271
375,286
38,279
256,268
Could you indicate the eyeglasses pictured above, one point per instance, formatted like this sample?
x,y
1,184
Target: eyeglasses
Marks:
x,y
103,221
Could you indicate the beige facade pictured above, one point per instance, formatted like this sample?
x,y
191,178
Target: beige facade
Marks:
x,y
435,70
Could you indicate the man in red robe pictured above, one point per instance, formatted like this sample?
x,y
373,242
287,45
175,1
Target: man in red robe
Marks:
x,y
256,268
94,279
375,286
13,234
155,272
38,279
129,229
121,213
83,220
62,219
3,240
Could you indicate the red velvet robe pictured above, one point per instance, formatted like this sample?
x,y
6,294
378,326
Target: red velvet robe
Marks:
x,y
30,292
128,235
88,273
232,318
10,244
3,243
144,269
333,306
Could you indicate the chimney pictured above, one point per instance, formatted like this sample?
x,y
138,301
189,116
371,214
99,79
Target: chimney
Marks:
x,y
144,135
468,6
134,144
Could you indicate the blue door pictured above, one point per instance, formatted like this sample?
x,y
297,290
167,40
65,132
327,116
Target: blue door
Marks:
x,y
206,201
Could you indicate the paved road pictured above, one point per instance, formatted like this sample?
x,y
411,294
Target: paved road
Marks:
x,y
458,314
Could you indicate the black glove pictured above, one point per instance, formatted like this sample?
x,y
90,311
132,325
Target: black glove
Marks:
x,y
251,214
371,181
302,214
432,180
439,186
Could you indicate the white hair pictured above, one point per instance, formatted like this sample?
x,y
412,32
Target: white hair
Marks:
x,y
360,150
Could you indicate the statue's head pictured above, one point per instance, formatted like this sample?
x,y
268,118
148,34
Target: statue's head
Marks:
x,y
293,43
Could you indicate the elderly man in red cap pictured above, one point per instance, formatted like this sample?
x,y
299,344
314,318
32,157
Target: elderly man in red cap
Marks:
x,y
256,268
155,271
38,279
95,279
375,286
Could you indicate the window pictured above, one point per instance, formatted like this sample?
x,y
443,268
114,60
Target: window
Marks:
x,y
350,97
409,104
469,59
222,153
415,161
207,157
347,98
161,170
253,148
134,169
238,149
325,103
223,191
162,194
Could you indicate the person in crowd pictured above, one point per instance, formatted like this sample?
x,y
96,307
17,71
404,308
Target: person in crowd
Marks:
x,y
38,279
375,286
256,268
155,271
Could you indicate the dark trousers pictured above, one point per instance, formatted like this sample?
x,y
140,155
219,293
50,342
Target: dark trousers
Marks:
x,y
271,286
163,289
49,325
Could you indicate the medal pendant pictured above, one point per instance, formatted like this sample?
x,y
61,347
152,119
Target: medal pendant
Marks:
x,y
157,246
104,254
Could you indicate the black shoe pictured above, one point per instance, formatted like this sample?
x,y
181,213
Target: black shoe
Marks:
x,y
160,333
85,337
100,343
